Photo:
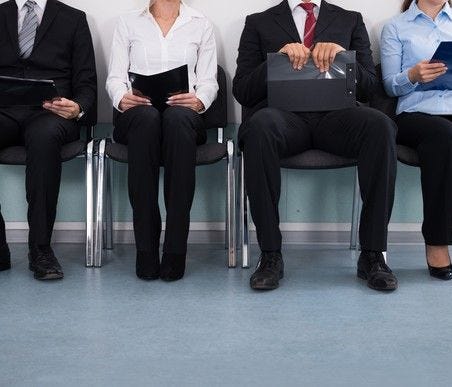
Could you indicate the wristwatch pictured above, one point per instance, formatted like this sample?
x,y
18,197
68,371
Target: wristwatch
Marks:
x,y
81,114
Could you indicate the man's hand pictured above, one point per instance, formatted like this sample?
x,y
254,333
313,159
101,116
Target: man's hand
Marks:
x,y
324,54
425,71
63,107
188,100
298,54
130,101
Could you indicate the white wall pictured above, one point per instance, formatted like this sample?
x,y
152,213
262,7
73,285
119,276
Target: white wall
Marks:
x,y
227,15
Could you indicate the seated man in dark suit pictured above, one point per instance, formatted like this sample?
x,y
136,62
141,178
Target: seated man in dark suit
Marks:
x,y
44,39
319,30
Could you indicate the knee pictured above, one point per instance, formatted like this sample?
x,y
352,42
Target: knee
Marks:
x,y
180,122
380,128
45,137
261,126
145,124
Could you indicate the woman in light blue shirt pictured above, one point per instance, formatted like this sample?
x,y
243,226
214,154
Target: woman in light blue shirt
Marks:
x,y
424,117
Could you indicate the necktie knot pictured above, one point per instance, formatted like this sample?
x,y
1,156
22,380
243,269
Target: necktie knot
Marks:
x,y
30,4
308,7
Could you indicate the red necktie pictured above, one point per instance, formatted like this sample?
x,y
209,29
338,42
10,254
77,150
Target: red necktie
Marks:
x,y
309,27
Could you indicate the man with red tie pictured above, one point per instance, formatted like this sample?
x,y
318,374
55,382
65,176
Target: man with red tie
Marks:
x,y
305,29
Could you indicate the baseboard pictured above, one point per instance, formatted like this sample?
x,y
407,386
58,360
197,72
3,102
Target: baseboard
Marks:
x,y
213,232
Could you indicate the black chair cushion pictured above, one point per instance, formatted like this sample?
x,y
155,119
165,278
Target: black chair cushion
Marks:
x,y
407,155
317,159
15,155
205,154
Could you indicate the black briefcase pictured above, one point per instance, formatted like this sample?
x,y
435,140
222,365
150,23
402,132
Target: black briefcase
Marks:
x,y
309,90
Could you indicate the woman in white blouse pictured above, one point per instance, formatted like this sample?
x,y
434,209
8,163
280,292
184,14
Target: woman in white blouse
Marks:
x,y
165,35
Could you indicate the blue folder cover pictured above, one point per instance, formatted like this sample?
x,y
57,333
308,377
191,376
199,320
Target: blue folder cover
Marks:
x,y
443,54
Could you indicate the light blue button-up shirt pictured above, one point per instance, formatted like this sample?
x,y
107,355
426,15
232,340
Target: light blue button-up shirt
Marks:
x,y
405,41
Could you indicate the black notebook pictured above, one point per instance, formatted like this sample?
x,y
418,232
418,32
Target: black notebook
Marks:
x,y
26,92
309,90
159,87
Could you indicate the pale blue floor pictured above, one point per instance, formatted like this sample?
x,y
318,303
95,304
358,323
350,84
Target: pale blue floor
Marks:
x,y
323,327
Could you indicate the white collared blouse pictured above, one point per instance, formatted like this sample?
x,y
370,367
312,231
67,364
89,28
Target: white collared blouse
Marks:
x,y
140,47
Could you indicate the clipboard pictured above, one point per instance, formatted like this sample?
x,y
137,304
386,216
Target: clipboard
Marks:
x,y
159,87
26,92
443,54
309,90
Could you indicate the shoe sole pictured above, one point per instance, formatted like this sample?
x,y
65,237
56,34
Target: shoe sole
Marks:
x,y
267,287
362,275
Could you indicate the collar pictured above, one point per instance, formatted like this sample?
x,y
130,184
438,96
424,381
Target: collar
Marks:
x,y
41,4
185,11
293,4
413,12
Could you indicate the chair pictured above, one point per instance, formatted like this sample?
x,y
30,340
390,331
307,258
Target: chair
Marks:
x,y
210,153
16,155
311,159
388,105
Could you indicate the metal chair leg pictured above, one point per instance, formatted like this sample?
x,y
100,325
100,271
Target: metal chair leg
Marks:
x,y
244,221
230,212
108,206
100,204
356,213
89,253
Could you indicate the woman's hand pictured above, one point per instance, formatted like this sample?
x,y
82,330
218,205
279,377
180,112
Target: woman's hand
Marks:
x,y
130,101
188,100
63,107
324,54
298,54
425,72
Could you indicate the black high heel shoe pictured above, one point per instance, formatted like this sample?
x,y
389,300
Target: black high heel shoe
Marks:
x,y
442,273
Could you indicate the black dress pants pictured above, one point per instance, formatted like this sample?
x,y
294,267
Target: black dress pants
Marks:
x,y
43,134
431,136
362,133
153,139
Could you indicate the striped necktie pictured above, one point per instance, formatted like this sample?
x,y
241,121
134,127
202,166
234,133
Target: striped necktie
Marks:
x,y
309,27
28,32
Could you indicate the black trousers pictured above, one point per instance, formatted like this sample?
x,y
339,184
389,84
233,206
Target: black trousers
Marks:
x,y
360,132
431,136
43,134
153,139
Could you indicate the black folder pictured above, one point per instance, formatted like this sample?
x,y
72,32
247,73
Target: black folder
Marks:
x,y
309,90
443,54
26,92
159,87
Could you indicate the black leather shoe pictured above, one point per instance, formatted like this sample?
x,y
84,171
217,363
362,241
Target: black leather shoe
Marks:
x,y
148,265
172,267
372,268
5,258
43,263
442,273
269,271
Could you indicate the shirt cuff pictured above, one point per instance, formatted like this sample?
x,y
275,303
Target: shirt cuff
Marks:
x,y
205,101
403,85
117,100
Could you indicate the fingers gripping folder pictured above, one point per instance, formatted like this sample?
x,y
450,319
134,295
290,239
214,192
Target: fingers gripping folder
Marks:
x,y
309,90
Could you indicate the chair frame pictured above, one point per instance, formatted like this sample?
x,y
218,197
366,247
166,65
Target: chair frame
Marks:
x,y
245,217
104,227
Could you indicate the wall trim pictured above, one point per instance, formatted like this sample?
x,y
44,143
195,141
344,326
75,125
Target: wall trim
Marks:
x,y
213,232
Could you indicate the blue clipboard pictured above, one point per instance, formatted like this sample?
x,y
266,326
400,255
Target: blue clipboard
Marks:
x,y
443,54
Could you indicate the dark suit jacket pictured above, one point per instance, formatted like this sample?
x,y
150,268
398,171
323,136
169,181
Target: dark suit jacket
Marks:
x,y
272,29
63,51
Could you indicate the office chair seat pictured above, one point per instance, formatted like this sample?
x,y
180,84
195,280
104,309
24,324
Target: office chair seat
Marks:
x,y
206,154
316,159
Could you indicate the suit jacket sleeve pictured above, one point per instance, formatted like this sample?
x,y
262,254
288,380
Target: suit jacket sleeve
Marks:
x,y
365,67
250,81
84,79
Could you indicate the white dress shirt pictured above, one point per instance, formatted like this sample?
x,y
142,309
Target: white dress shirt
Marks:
x,y
22,10
140,47
299,14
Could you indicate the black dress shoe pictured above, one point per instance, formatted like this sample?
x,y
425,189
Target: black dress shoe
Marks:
x,y
43,263
148,265
373,268
269,271
442,273
172,267
5,258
